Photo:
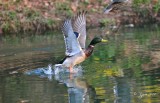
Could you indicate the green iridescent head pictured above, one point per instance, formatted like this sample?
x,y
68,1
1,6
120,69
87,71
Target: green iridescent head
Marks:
x,y
97,40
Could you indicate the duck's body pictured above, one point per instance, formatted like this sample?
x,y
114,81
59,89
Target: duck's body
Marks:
x,y
114,5
74,60
75,36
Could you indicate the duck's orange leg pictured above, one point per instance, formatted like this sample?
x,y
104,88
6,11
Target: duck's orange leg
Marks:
x,y
71,69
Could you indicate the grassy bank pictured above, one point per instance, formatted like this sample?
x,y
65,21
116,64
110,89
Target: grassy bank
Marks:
x,y
38,16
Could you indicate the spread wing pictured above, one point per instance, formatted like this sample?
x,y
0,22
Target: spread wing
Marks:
x,y
71,42
79,26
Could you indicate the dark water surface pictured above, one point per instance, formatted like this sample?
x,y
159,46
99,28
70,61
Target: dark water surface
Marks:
x,y
125,70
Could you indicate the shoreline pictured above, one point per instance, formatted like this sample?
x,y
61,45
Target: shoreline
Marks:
x,y
29,16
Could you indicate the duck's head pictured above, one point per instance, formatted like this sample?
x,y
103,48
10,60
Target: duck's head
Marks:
x,y
97,40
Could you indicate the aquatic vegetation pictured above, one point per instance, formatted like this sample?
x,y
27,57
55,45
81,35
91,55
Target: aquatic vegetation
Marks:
x,y
105,21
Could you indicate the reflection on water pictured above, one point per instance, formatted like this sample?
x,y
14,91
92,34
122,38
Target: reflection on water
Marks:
x,y
126,70
31,88
78,89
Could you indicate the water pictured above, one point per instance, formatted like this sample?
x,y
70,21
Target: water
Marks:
x,y
125,70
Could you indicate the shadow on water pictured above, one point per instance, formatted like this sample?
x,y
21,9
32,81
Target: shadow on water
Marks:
x,y
126,70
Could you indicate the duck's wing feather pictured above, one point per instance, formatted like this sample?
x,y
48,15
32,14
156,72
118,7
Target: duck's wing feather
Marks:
x,y
79,26
71,42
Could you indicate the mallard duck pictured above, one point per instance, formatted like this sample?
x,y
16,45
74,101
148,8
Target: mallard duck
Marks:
x,y
114,5
74,31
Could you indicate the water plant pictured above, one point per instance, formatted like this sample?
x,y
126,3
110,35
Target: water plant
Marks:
x,y
105,21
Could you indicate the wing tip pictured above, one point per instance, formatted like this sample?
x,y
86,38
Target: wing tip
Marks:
x,y
83,12
66,25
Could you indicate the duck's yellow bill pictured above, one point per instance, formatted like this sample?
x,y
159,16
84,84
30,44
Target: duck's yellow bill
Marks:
x,y
103,40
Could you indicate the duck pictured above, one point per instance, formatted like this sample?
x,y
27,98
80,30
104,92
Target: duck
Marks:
x,y
74,32
114,5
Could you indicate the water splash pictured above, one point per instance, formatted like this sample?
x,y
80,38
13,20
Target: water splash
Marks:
x,y
58,71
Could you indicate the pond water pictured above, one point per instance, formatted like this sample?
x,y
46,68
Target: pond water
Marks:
x,y
124,70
